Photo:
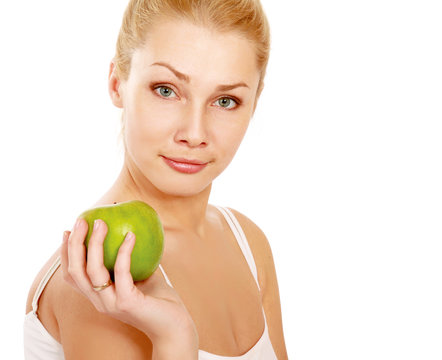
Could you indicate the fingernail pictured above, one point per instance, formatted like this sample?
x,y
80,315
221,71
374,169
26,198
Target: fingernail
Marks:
x,y
78,223
65,236
130,236
96,224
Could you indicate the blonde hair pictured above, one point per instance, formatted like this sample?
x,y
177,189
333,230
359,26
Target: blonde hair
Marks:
x,y
246,17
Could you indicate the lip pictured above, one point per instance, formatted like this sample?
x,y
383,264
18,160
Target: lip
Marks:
x,y
186,166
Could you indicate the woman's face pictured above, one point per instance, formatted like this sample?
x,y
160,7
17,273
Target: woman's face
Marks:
x,y
187,103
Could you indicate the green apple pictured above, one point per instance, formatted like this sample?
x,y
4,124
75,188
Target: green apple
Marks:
x,y
141,219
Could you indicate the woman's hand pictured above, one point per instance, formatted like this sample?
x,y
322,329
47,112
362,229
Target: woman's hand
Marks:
x,y
151,306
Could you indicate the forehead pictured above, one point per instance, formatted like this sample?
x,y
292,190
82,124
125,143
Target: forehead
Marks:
x,y
198,52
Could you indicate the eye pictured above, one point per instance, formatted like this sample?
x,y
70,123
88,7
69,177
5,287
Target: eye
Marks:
x,y
227,103
164,91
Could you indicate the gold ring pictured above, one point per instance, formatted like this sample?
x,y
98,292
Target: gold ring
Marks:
x,y
102,287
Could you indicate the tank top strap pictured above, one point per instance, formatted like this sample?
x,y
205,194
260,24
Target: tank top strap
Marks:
x,y
165,276
241,239
43,283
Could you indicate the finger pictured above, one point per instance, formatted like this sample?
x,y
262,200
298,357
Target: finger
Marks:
x,y
97,272
77,256
124,282
64,258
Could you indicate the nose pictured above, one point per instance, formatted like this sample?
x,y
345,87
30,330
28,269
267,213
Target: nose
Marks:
x,y
192,130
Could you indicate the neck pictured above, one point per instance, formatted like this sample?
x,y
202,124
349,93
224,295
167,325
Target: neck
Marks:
x,y
186,213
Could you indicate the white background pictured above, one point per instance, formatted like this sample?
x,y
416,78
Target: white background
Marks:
x,y
341,167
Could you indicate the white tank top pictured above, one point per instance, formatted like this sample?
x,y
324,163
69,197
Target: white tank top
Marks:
x,y
40,345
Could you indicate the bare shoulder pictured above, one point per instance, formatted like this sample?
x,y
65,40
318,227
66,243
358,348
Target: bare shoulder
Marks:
x,y
86,333
262,254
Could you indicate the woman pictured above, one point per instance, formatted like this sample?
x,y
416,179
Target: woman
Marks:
x,y
187,75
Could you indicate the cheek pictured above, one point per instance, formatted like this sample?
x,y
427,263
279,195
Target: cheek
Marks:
x,y
230,140
147,126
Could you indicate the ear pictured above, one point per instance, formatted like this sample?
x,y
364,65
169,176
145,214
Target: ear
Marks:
x,y
114,87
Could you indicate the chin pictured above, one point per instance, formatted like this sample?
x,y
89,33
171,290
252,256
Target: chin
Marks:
x,y
183,188
172,183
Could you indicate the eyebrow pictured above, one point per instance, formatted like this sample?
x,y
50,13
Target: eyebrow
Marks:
x,y
230,87
178,74
186,78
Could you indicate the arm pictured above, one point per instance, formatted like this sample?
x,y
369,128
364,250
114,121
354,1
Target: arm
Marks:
x,y
268,283
90,335
87,334
146,320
